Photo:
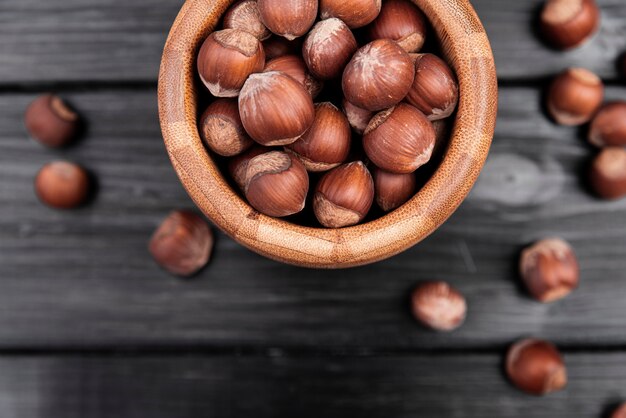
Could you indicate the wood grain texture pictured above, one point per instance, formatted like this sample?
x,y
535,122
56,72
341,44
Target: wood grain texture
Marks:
x,y
465,45
85,279
104,40
460,386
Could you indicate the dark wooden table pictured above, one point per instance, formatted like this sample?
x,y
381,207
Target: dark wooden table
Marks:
x,y
91,327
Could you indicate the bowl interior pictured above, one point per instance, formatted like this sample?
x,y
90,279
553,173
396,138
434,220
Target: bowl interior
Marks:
x,y
464,44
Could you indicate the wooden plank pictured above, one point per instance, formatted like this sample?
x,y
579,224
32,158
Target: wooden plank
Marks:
x,y
463,386
105,40
85,278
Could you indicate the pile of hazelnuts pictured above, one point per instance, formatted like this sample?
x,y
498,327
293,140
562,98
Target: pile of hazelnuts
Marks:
x,y
268,68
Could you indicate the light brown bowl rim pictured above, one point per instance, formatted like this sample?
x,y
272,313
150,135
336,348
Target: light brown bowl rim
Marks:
x,y
466,47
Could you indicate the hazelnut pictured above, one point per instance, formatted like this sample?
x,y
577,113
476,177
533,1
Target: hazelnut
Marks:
x,y
62,185
237,166
357,117
434,90
276,184
275,109
378,76
328,48
355,13
574,96
327,143
620,412
50,121
344,195
245,15
182,244
536,367
227,58
549,269
608,127
294,66
400,21
442,135
393,190
400,139
277,46
221,128
288,18
608,173
566,24
438,306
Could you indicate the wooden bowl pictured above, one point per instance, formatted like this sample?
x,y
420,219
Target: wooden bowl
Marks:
x,y
465,45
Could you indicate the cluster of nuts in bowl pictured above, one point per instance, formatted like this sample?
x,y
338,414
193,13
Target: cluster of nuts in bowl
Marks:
x,y
294,97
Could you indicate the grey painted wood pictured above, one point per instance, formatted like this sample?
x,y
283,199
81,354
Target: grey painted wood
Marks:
x,y
459,386
85,279
106,40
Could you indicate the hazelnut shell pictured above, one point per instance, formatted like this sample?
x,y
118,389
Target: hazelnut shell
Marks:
x,y
344,195
288,18
62,185
237,166
434,90
608,173
245,15
355,13
328,48
620,412
182,244
567,24
221,128
438,306
393,190
574,96
226,59
294,66
400,21
357,117
327,143
549,269
276,184
275,109
400,139
378,76
608,127
536,367
50,121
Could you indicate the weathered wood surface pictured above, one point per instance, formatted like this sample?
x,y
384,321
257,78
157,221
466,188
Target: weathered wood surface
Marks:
x,y
459,386
118,40
85,279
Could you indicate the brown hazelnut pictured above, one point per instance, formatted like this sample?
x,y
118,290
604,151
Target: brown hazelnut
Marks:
x,y
277,46
438,306
288,18
608,173
182,244
62,185
294,66
275,109
50,121
245,15
549,269
620,412
378,76
237,166
276,184
434,90
400,21
574,96
536,367
221,128
566,24
328,48
608,127
355,13
400,139
327,143
393,190
226,59
357,117
344,195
